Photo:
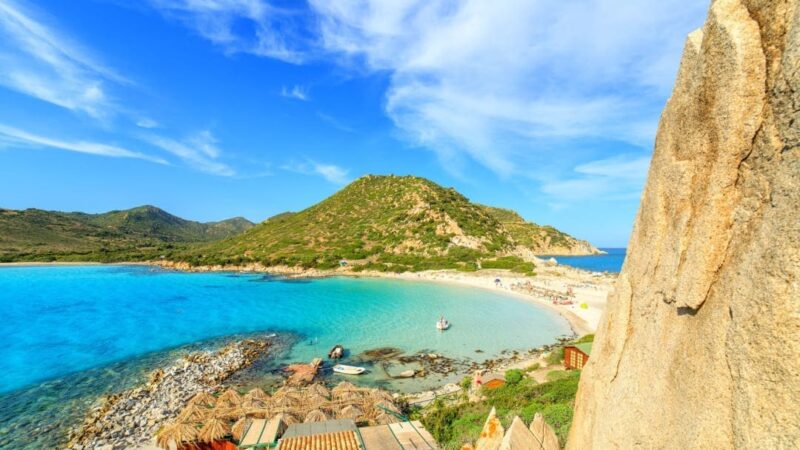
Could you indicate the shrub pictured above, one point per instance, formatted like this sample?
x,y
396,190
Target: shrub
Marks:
x,y
514,376
556,356
532,367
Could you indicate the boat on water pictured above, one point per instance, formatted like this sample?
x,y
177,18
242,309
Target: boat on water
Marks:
x,y
348,370
336,352
442,324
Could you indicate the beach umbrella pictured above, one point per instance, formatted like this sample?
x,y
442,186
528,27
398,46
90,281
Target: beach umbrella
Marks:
x,y
379,394
229,413
178,433
285,401
313,400
259,413
287,419
229,398
193,413
204,399
255,403
214,429
343,387
316,416
319,389
351,412
238,428
256,394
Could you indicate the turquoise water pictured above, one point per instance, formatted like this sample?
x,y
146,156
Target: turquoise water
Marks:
x,y
60,320
610,262
71,334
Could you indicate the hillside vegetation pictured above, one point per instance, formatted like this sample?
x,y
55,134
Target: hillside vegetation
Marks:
x,y
387,223
133,234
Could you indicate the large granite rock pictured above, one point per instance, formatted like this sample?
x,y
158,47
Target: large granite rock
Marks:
x,y
700,345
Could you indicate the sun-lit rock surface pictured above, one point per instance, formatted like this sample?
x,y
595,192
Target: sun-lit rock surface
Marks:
x,y
699,346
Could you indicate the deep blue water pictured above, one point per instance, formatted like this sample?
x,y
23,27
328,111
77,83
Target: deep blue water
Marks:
x,y
610,262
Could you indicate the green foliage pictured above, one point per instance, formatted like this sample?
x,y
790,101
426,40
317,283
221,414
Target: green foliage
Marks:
x,y
452,426
136,234
465,383
555,375
533,367
538,238
584,339
556,356
514,376
512,263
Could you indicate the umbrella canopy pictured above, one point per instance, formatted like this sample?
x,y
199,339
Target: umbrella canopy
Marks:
x,y
176,432
229,398
378,395
255,403
316,416
259,413
287,419
256,394
193,413
351,412
319,389
238,428
285,401
204,399
343,387
214,429
229,413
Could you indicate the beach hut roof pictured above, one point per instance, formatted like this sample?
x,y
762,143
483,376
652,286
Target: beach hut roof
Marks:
x,y
214,429
316,416
193,413
176,432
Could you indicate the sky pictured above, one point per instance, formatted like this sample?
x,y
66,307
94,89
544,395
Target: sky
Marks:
x,y
212,109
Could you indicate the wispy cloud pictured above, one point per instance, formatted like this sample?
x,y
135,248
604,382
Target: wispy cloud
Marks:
x,y
334,122
618,178
329,172
199,151
37,60
297,92
146,122
240,26
16,137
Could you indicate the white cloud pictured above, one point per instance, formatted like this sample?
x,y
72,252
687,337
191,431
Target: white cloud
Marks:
x,y
38,61
146,122
239,26
199,151
297,92
617,178
16,137
330,172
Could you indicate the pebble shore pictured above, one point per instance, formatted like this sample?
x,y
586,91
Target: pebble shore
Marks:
x,y
131,418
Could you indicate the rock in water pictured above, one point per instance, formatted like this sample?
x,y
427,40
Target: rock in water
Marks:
x,y
700,345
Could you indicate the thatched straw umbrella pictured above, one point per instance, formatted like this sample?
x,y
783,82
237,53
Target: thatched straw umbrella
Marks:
x,y
178,433
193,413
316,416
204,399
313,400
319,389
256,394
231,413
288,419
255,403
259,413
229,398
378,394
285,401
238,428
343,387
214,429
351,412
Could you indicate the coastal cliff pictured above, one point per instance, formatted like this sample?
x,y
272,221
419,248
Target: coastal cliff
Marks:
x,y
699,346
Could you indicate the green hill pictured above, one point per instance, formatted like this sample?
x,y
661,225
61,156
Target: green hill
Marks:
x,y
386,223
132,234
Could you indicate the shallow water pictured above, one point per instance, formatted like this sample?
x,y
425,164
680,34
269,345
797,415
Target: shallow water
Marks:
x,y
73,333
610,262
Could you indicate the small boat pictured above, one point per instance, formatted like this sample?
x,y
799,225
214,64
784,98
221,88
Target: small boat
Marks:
x,y
348,370
442,324
336,352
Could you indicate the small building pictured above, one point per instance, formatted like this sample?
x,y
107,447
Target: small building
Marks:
x,y
488,380
576,356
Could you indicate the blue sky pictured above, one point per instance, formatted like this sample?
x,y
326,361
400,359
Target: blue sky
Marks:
x,y
219,108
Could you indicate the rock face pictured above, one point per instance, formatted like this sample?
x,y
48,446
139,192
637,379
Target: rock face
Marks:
x,y
700,345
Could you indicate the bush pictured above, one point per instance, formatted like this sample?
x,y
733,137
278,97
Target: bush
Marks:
x,y
465,383
584,339
555,375
532,367
514,376
555,356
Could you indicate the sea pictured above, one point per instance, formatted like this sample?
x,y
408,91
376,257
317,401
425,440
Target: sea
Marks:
x,y
610,262
73,333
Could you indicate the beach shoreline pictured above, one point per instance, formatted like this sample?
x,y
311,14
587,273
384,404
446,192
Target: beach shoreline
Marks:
x,y
590,289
